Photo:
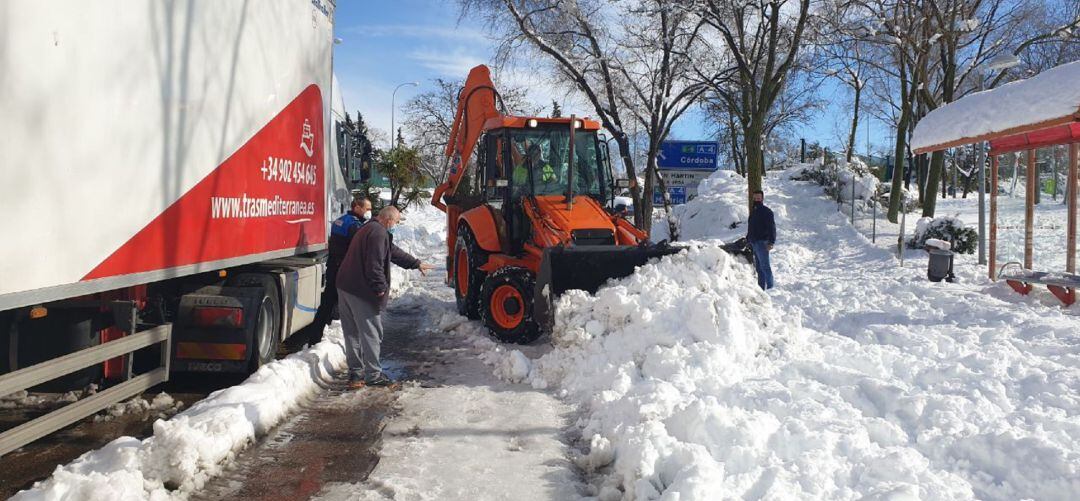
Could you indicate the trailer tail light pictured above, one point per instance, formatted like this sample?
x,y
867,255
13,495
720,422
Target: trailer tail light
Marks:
x,y
216,316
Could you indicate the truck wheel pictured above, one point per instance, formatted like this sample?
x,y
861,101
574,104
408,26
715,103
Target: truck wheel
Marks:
x,y
267,334
507,300
468,278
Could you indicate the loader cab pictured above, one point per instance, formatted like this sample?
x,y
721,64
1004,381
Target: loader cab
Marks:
x,y
516,164
535,162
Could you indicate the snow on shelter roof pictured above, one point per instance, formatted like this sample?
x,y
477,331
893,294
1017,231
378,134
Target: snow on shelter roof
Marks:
x,y
1045,100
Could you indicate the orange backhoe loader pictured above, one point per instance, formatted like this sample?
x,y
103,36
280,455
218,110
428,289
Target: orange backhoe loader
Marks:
x,y
527,220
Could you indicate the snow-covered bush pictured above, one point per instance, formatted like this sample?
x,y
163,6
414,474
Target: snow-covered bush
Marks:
x,y
910,199
950,229
839,178
813,172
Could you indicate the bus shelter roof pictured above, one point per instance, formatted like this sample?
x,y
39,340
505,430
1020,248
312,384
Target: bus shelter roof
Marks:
x,y
1043,110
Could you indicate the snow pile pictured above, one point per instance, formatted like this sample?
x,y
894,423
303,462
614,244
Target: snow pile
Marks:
x,y
719,209
423,231
422,234
909,199
23,399
692,384
163,406
1049,95
857,173
191,447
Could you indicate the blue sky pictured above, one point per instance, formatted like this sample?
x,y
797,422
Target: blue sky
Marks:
x,y
385,43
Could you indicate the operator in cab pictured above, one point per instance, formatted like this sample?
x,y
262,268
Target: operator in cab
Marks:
x,y
534,159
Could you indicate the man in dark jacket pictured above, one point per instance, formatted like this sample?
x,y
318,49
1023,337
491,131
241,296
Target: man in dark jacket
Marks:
x,y
363,284
761,233
341,233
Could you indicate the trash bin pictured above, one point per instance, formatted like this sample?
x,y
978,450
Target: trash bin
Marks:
x,y
940,266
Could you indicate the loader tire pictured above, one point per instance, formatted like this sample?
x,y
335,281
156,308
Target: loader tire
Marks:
x,y
507,300
468,278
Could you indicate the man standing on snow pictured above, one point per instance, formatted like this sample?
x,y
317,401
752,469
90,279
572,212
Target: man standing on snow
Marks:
x,y
341,233
761,233
363,284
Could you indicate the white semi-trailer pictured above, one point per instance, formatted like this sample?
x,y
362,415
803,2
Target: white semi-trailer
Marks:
x,y
167,170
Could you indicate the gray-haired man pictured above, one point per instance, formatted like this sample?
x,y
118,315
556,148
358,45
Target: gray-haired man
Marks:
x,y
363,284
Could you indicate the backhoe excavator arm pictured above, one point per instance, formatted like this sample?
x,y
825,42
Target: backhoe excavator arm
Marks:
x,y
476,104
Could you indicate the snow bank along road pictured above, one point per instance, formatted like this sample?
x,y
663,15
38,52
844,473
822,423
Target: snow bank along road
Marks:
x,y
854,379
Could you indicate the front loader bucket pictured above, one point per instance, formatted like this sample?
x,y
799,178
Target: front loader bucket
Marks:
x,y
585,268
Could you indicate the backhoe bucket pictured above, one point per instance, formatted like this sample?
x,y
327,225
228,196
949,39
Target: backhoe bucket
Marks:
x,y
585,268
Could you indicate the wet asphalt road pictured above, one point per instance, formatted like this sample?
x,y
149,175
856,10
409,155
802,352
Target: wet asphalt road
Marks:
x,y
332,438
335,437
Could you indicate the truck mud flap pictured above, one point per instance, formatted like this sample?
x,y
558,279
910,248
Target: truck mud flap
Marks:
x,y
215,344
585,268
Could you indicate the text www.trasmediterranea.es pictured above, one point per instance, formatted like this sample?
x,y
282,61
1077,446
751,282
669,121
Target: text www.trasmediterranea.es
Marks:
x,y
251,207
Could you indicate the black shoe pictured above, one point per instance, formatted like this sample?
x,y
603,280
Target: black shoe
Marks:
x,y
380,380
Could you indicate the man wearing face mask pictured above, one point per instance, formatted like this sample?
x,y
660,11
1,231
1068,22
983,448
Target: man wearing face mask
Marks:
x,y
363,290
761,233
341,233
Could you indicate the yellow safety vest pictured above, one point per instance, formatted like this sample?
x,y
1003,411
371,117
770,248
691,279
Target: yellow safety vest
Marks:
x,y
547,174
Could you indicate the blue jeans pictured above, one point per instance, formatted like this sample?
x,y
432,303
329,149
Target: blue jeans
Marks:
x,y
761,263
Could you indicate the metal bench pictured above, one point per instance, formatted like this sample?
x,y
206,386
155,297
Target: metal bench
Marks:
x,y
1061,285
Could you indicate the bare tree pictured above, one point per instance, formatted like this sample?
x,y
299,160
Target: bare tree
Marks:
x,y
630,59
969,34
938,51
429,117
844,53
762,41
656,80
796,105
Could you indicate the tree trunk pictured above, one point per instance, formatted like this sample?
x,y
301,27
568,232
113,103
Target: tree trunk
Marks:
x,y
735,157
944,178
895,198
937,162
631,173
755,161
969,178
922,177
673,226
854,124
647,197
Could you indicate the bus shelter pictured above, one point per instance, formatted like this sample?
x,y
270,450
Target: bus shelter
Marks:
x,y
1019,118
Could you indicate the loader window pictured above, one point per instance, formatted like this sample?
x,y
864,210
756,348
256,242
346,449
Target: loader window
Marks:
x,y
542,166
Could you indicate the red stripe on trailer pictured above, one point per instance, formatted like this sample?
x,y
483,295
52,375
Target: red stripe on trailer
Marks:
x,y
267,196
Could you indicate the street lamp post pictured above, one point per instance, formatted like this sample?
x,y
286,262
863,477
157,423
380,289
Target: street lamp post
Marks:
x,y
1002,62
393,97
